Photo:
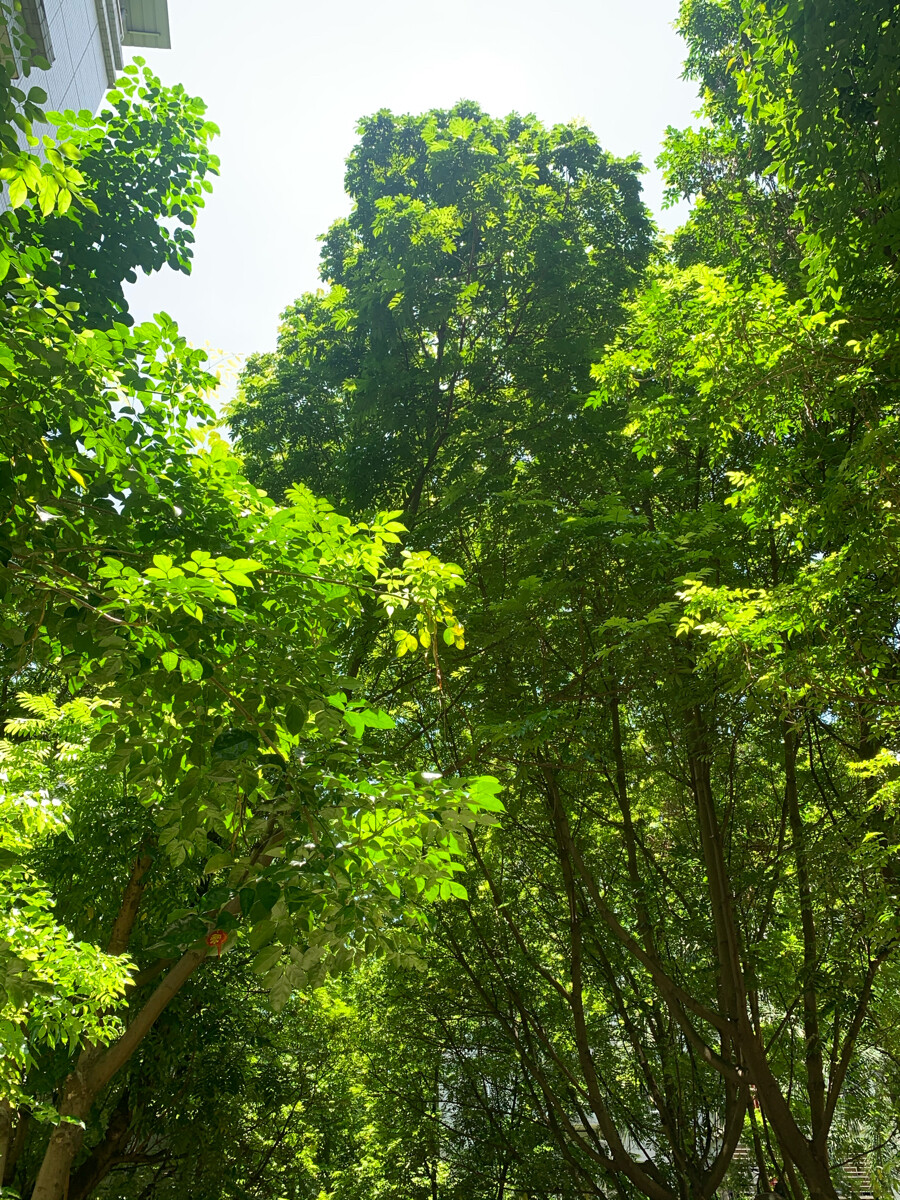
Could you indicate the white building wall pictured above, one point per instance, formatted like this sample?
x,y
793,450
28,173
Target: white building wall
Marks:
x,y
77,77
86,41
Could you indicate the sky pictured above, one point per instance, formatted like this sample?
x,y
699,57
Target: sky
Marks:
x,y
286,83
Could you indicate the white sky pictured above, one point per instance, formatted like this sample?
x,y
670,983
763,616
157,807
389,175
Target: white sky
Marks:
x,y
287,81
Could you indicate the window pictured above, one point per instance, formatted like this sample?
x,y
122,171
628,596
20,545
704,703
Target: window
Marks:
x,y
34,19
146,23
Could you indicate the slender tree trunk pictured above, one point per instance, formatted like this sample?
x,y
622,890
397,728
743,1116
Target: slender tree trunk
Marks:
x,y
6,1126
731,995
812,1166
640,1176
16,1146
128,910
815,1069
96,1067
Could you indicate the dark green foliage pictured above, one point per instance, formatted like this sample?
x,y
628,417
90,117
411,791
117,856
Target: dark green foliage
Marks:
x,y
670,482
478,276
681,615
187,633
819,81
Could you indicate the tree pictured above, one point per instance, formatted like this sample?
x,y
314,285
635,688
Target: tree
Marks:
x,y
817,81
680,653
148,160
482,267
196,628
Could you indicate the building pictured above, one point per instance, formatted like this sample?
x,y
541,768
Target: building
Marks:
x,y
85,43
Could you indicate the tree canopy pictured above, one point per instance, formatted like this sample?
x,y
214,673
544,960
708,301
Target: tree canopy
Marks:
x,y
172,666
681,608
532,652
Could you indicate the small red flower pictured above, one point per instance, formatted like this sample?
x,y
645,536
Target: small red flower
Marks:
x,y
217,938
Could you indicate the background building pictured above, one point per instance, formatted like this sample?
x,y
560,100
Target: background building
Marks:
x,y
83,41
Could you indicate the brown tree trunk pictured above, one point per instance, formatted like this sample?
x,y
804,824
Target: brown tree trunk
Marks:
x,y
6,1126
815,1068
812,1166
97,1066
639,1175
65,1141
95,1069
106,1154
16,1146
128,910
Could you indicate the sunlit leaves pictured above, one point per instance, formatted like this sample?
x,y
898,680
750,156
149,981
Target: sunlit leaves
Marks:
x,y
53,988
206,623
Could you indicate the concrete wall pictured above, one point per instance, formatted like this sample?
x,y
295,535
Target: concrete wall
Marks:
x,y
86,38
79,73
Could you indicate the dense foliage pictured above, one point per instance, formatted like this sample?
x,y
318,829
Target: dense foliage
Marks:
x,y
248,743
682,598
173,692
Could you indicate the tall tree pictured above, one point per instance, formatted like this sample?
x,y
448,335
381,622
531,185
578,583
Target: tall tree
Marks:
x,y
479,273
680,649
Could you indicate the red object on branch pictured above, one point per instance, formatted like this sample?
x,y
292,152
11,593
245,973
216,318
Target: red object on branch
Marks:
x,y
217,938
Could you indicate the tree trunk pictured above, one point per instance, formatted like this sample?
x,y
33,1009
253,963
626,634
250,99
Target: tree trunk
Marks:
x,y
6,1124
65,1141
128,910
96,1067
15,1147
106,1154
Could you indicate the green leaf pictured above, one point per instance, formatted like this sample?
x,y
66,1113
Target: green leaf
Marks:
x,y
266,959
18,192
218,862
268,893
279,991
261,934
377,718
329,722
295,718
